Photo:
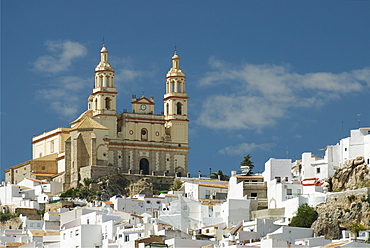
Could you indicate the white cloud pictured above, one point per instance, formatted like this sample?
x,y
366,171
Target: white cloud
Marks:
x,y
261,94
238,112
64,95
63,53
244,148
127,78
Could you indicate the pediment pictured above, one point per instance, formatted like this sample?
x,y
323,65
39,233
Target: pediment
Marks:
x,y
143,100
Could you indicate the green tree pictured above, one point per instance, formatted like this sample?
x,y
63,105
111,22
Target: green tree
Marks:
x,y
357,227
88,181
248,162
177,184
306,215
219,175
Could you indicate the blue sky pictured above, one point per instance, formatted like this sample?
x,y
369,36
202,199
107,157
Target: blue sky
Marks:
x,y
266,78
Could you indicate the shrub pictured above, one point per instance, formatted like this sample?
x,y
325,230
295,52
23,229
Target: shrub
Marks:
x,y
356,227
306,215
7,216
351,198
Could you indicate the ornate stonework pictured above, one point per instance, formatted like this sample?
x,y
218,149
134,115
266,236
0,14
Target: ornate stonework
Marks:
x,y
101,141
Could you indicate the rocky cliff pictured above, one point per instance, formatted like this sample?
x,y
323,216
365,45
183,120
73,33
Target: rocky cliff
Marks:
x,y
353,175
349,202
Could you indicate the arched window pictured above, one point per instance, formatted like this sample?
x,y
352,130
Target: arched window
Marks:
x,y
172,86
100,81
107,103
144,134
179,108
167,109
96,104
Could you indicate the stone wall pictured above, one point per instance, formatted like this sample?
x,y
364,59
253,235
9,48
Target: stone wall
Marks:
x,y
19,172
273,213
341,198
96,172
53,207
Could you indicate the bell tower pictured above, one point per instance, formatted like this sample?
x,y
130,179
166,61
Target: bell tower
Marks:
x,y
175,99
103,99
176,104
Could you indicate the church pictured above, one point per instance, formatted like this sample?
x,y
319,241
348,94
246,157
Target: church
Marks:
x,y
101,141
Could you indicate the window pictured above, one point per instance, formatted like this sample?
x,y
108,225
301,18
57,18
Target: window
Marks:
x,y
289,192
107,103
144,134
127,238
253,194
208,194
286,179
278,179
179,108
318,170
77,232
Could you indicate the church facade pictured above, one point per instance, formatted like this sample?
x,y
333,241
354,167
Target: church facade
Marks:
x,y
102,142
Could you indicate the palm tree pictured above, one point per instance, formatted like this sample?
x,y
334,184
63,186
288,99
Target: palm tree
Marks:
x,y
219,175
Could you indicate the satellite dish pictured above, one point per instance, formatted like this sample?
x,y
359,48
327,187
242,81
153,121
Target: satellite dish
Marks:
x,y
245,169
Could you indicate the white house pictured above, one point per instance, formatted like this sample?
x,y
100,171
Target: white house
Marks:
x,y
287,235
204,189
291,195
279,169
357,145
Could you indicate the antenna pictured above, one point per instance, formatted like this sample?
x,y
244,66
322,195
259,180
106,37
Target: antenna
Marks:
x,y
359,120
103,41
287,152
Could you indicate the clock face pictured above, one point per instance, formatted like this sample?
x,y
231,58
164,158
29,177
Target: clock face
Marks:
x,y
143,107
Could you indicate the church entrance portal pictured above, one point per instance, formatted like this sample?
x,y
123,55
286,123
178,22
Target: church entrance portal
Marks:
x,y
144,166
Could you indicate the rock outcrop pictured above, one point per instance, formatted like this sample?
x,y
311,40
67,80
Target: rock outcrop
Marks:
x,y
340,211
353,175
349,203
